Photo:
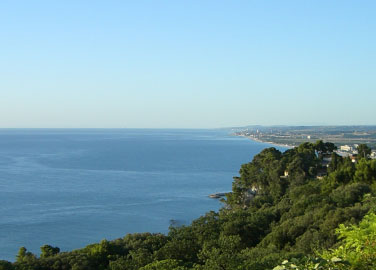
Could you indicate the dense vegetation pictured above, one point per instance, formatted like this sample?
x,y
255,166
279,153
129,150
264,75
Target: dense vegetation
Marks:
x,y
307,208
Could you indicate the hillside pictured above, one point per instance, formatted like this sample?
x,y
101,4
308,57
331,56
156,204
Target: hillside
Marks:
x,y
284,207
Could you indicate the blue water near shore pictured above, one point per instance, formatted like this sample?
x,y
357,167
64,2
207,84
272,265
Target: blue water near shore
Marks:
x,y
69,188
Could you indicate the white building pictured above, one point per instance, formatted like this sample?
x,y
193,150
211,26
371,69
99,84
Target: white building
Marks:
x,y
346,148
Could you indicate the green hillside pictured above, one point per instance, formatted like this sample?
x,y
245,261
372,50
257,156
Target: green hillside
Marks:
x,y
306,208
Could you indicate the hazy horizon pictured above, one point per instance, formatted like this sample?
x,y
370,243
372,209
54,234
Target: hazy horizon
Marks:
x,y
186,64
181,128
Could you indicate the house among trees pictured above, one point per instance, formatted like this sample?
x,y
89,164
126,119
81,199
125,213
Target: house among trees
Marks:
x,y
285,174
353,158
327,158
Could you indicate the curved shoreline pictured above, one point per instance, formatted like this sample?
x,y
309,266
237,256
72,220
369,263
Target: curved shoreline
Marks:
x,y
272,143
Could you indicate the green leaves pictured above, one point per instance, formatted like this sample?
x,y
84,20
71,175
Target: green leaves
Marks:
x,y
48,251
359,243
363,151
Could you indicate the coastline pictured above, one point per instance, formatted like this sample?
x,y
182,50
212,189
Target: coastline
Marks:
x,y
144,191
261,141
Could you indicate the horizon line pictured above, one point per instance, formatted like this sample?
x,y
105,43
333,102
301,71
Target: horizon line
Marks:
x,y
226,127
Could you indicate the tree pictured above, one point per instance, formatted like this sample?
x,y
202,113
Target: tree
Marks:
x,y
356,252
365,171
5,265
48,251
224,254
335,162
363,151
24,255
330,147
168,264
358,244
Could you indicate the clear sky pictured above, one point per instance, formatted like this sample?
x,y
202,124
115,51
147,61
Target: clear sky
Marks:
x,y
186,64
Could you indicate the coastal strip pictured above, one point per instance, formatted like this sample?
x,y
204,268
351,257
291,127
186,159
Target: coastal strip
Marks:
x,y
261,141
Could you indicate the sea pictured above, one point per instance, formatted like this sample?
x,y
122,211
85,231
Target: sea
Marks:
x,y
73,187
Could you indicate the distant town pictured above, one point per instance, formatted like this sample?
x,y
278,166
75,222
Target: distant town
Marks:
x,y
346,138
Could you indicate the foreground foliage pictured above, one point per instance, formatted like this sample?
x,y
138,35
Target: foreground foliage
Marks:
x,y
301,207
357,250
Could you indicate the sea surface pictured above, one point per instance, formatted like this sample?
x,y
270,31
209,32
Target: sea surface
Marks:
x,y
73,187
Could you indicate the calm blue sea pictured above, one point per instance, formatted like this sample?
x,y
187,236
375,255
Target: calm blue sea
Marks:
x,y
69,188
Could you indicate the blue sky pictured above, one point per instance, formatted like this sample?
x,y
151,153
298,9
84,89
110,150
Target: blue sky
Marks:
x,y
186,64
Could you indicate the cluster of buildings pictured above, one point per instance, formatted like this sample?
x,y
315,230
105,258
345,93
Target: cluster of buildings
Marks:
x,y
348,150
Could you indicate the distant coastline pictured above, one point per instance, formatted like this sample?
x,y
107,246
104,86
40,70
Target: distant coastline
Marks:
x,y
291,136
261,141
